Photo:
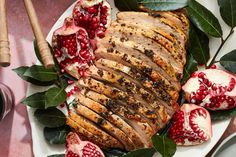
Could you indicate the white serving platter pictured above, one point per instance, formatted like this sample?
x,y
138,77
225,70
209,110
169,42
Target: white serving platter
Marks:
x,y
42,149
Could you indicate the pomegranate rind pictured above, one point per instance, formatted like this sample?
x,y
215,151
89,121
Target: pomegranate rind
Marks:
x,y
218,78
191,125
74,145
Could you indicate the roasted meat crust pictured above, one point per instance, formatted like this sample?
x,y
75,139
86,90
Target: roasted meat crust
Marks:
x,y
132,88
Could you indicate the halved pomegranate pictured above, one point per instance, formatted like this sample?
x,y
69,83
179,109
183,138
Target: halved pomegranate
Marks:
x,y
94,16
77,148
72,48
191,125
212,88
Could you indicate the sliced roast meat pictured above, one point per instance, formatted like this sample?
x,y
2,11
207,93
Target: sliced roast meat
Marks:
x,y
152,20
145,69
111,117
131,90
162,38
91,127
134,120
86,135
105,125
124,98
134,33
121,82
179,18
151,53
162,97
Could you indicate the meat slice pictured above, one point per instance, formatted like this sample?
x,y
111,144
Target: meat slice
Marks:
x,y
179,18
134,120
150,53
122,83
135,76
92,128
105,125
154,19
86,135
145,112
145,69
133,33
111,117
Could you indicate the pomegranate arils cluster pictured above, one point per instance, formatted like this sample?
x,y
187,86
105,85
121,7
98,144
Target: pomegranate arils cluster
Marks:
x,y
72,48
78,148
213,89
191,125
93,16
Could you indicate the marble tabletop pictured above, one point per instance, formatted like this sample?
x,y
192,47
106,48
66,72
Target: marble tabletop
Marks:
x,y
15,131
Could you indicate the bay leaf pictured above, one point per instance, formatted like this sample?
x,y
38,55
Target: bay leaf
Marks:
x,y
144,152
51,117
164,145
228,11
189,68
36,50
40,73
198,45
222,114
163,5
36,100
55,135
228,61
20,72
55,96
204,19
127,5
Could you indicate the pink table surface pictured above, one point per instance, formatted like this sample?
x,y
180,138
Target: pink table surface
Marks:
x,y
15,131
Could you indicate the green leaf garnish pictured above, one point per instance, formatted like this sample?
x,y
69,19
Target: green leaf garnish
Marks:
x,y
20,72
204,19
162,5
113,152
40,73
127,5
144,152
228,61
55,135
228,11
36,100
55,96
222,114
165,146
198,45
189,68
51,117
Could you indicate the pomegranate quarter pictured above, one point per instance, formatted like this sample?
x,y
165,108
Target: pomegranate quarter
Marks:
x,y
94,16
212,88
78,148
72,48
191,125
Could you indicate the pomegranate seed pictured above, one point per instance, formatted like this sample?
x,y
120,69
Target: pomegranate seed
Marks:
x,y
92,10
62,105
209,84
213,66
214,87
202,87
205,81
70,82
100,34
201,75
230,101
